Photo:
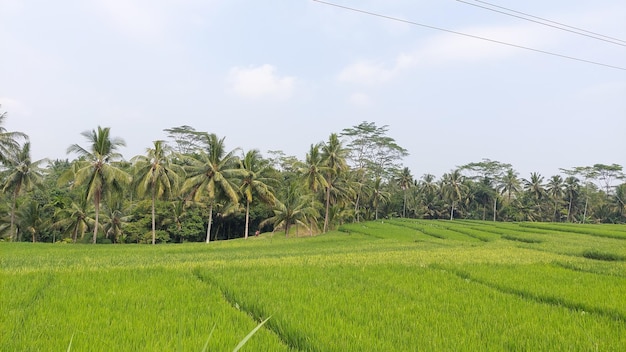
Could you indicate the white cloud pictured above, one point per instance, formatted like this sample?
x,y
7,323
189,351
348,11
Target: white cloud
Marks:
x,y
260,82
448,49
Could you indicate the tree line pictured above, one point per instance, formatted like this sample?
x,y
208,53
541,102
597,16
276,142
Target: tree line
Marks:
x,y
192,188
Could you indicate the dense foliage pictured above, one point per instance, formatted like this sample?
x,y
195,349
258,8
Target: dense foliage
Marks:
x,y
192,188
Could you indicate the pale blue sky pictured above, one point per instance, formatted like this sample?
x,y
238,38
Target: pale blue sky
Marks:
x,y
283,74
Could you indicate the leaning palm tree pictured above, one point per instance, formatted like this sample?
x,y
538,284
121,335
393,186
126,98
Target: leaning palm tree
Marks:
x,y
22,174
96,168
156,175
8,140
334,160
211,173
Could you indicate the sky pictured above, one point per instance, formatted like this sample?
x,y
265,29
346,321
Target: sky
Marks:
x,y
285,74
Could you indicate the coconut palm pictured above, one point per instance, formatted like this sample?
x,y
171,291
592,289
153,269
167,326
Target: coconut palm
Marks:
x,y
22,174
312,172
254,182
156,175
8,140
292,209
509,184
379,195
96,168
31,219
211,174
405,181
453,189
76,218
572,191
555,191
334,160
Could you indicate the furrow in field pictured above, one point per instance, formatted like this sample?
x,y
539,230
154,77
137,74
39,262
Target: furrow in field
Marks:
x,y
605,295
294,340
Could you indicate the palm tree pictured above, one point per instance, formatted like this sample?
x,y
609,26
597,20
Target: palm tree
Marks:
x,y
405,181
77,218
155,174
292,209
211,174
334,159
509,184
31,219
572,189
555,191
96,168
379,195
535,189
254,182
453,188
312,172
8,140
23,174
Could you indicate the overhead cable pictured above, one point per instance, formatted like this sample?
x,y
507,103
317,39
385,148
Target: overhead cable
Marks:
x,y
557,25
468,35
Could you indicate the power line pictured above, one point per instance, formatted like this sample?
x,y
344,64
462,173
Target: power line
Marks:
x,y
559,26
557,23
468,35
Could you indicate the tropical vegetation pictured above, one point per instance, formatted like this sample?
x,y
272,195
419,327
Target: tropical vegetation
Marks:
x,y
193,188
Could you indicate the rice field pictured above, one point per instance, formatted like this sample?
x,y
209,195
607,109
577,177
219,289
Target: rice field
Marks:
x,y
392,285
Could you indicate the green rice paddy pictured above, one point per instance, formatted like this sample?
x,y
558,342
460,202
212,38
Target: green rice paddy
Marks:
x,y
393,285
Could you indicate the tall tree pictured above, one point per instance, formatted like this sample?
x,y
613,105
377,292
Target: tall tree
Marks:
x,y
157,175
211,173
405,181
312,172
96,168
572,189
186,139
453,189
510,184
22,174
254,182
9,141
555,191
334,159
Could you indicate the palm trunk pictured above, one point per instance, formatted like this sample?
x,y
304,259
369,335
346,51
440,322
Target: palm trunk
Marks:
x,y
97,206
452,211
404,205
569,210
247,218
327,207
153,216
208,228
13,230
495,208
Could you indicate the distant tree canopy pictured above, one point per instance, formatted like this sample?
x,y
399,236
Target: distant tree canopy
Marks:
x,y
193,188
